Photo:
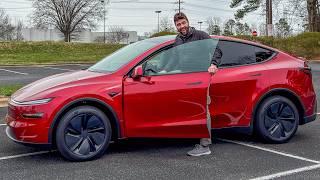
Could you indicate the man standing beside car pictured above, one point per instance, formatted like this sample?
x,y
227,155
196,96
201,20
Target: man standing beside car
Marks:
x,y
189,34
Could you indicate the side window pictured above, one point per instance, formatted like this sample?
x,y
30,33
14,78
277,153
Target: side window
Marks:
x,y
190,57
234,53
263,54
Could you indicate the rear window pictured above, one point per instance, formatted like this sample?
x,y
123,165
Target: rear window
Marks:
x,y
263,54
236,53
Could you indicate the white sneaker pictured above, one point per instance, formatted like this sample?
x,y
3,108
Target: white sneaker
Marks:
x,y
199,150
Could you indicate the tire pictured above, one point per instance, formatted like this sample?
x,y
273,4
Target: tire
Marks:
x,y
83,134
277,120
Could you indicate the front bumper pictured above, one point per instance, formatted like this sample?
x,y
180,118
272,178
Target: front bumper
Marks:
x,y
11,135
28,130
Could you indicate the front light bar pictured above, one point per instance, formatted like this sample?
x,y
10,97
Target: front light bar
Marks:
x,y
34,102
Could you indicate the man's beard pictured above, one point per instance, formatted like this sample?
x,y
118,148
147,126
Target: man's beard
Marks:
x,y
186,30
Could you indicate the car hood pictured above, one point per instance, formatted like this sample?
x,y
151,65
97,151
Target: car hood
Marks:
x,y
50,84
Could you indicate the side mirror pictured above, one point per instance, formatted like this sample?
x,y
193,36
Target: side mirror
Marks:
x,y
137,72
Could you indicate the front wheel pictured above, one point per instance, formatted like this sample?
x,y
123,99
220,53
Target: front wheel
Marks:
x,y
83,134
277,119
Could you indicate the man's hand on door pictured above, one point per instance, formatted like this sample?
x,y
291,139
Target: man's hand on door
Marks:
x,y
212,69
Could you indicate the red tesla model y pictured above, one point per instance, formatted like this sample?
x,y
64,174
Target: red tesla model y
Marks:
x,y
154,89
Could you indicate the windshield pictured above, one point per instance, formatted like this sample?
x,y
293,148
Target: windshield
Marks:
x,y
124,55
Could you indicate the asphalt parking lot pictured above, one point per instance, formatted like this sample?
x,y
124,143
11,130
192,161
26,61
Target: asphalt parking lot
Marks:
x,y
25,75
235,156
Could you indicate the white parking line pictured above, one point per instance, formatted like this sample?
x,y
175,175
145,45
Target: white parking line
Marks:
x,y
24,155
270,150
58,69
2,124
16,72
280,174
287,173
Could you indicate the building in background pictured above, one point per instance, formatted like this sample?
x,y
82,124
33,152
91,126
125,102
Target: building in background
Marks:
x,y
86,36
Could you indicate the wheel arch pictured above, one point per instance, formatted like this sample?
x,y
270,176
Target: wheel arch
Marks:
x,y
104,107
280,92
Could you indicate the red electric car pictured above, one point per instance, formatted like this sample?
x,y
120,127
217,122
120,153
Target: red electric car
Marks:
x,y
154,89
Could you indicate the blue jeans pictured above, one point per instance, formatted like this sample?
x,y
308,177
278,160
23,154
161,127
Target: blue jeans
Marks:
x,y
207,141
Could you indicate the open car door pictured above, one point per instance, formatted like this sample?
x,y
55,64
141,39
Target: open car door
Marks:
x,y
168,97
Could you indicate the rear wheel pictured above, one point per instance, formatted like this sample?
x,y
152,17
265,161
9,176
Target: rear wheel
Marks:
x,y
83,134
277,119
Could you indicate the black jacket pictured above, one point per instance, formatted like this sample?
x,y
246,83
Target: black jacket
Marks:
x,y
195,35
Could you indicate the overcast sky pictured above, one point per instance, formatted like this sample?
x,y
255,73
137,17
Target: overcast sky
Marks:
x,y
140,16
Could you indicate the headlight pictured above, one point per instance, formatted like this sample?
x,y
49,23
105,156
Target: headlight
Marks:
x,y
34,102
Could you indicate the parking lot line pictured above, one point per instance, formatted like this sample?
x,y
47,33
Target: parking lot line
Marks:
x,y
24,155
16,72
270,150
287,173
58,69
2,124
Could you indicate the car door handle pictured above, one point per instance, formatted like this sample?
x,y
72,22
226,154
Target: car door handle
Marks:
x,y
194,83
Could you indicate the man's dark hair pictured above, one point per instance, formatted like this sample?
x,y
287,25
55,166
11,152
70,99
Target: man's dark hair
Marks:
x,y
179,16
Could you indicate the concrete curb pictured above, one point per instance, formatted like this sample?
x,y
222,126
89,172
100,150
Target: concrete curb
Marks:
x,y
3,101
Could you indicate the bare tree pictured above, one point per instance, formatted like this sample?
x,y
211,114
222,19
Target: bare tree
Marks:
x,y
6,28
117,34
214,25
68,16
166,25
18,31
262,30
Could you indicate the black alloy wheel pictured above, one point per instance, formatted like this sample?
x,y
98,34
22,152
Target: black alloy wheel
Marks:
x,y
83,134
277,119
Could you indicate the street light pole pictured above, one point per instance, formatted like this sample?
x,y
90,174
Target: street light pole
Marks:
x,y
200,22
158,12
104,21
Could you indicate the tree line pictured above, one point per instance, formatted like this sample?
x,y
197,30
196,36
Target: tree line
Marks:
x,y
8,31
231,27
72,16
307,9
